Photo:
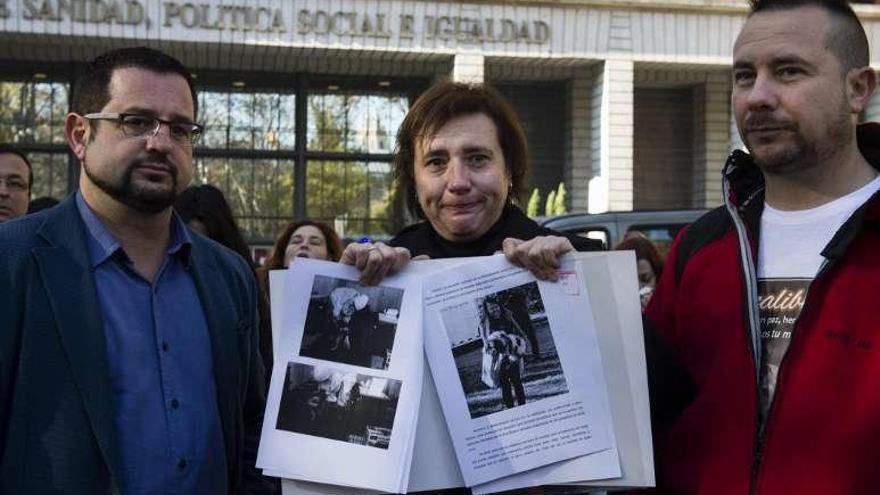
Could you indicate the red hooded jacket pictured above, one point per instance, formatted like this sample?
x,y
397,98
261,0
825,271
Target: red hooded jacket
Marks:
x,y
824,423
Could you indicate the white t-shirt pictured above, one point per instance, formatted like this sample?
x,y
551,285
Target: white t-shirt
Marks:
x,y
789,256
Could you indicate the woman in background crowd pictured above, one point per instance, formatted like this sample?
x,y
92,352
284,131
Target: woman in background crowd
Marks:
x,y
649,264
204,209
304,238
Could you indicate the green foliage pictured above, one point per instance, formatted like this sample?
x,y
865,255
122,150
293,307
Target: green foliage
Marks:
x,y
560,206
550,205
348,191
534,203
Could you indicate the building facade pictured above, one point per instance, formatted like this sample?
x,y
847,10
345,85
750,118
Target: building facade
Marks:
x,y
625,102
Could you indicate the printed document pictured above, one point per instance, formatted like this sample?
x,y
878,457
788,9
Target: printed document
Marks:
x,y
518,365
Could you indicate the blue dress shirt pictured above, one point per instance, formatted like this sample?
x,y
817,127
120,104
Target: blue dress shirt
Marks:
x,y
161,368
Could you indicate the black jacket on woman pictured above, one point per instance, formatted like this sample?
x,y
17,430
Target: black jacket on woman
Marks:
x,y
421,238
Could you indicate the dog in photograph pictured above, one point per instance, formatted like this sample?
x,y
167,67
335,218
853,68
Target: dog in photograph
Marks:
x,y
506,353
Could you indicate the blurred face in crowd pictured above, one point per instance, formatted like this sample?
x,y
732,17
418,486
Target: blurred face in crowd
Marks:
x,y
647,277
306,242
14,187
144,172
794,103
461,179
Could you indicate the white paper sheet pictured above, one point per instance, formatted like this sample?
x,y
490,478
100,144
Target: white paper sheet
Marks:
x,y
337,396
612,283
558,405
611,280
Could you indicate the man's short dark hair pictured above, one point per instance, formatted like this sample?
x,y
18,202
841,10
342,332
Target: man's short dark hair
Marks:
x,y
438,105
91,91
11,150
847,38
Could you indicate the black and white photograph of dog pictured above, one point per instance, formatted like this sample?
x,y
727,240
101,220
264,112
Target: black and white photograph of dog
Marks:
x,y
351,323
339,405
504,350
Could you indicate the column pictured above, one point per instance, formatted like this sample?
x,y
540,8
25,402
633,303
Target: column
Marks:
x,y
612,188
713,136
468,68
579,159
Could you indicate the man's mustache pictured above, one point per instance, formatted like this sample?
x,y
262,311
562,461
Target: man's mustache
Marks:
x,y
154,160
766,122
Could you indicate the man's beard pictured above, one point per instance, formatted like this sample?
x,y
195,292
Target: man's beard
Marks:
x,y
143,200
800,154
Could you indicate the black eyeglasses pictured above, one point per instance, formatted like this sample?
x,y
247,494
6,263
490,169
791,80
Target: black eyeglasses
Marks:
x,y
137,125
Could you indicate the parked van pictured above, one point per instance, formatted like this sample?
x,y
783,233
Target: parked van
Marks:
x,y
661,226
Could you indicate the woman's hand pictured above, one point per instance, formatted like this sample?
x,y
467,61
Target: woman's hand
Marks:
x,y
539,255
375,261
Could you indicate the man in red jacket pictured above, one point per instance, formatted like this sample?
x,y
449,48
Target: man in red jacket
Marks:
x,y
767,299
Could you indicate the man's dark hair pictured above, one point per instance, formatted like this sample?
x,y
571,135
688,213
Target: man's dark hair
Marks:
x,y
91,91
11,150
208,205
846,38
440,104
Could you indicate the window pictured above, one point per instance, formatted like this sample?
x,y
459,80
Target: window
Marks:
x,y
353,192
354,123
259,191
247,121
351,196
32,118
249,147
32,112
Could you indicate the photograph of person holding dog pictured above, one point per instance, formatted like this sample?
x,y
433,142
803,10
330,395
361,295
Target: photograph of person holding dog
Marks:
x,y
495,341
505,346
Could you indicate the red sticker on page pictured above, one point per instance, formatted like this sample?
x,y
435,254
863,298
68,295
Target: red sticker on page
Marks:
x,y
569,281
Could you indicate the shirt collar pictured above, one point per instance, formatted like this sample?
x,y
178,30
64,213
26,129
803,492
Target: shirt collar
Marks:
x,y
103,245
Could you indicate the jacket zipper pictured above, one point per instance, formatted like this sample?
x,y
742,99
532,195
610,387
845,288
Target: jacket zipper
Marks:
x,y
761,430
754,327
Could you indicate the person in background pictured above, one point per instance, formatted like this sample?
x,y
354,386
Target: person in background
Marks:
x,y
41,203
16,181
204,209
649,264
304,238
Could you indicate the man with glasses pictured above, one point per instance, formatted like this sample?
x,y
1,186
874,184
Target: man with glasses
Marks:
x,y
129,346
16,179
